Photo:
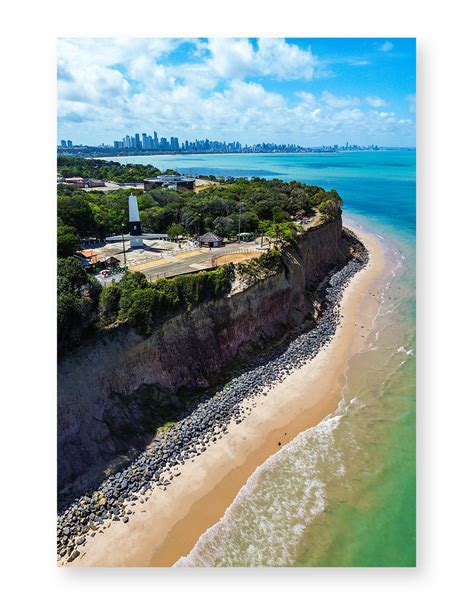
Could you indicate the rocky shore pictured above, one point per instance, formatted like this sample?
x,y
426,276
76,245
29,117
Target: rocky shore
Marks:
x,y
203,423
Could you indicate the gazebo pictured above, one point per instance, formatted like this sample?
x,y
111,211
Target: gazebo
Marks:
x,y
210,240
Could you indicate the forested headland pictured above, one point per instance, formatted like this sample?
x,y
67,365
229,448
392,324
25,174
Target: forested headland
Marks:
x,y
264,206
273,208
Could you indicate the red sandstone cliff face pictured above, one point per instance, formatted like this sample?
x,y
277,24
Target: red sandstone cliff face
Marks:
x,y
189,350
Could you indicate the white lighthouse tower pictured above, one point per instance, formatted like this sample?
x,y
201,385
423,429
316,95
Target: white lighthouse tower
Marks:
x,y
135,235
134,224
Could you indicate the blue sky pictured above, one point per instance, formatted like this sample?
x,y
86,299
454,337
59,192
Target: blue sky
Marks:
x,y
308,91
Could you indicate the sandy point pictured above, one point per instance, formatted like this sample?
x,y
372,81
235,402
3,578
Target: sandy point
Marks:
x,y
167,525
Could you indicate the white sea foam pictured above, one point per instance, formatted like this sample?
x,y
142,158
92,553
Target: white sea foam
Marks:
x,y
267,519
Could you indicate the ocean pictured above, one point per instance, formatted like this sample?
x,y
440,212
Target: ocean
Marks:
x,y
344,492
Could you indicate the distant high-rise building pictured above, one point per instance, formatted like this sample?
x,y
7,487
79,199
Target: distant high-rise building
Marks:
x,y
69,144
63,143
148,142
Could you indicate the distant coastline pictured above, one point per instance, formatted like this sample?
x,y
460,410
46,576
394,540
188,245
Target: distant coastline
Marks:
x,y
99,154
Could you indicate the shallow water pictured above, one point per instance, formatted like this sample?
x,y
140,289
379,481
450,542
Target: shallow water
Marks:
x,y
341,493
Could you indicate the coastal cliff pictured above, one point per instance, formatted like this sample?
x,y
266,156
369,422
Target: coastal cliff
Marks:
x,y
106,387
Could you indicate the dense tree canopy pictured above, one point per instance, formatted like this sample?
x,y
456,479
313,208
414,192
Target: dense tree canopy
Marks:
x,y
78,298
217,208
69,166
267,207
67,240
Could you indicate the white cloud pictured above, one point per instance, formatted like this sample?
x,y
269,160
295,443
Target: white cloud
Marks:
x,y
308,98
349,115
92,83
106,90
386,46
285,61
244,94
339,102
231,58
375,102
112,51
237,58
387,117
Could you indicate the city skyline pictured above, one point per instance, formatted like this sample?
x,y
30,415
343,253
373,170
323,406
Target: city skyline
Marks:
x,y
315,92
148,143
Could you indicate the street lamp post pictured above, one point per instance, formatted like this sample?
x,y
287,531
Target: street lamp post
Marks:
x,y
240,214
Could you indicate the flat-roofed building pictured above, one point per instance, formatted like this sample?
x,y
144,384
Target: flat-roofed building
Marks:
x,y
76,181
94,183
169,181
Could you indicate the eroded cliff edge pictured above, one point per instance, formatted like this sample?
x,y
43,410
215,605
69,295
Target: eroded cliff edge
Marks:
x,y
105,387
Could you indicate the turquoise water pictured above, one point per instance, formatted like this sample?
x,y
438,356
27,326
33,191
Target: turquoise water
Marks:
x,y
341,493
375,184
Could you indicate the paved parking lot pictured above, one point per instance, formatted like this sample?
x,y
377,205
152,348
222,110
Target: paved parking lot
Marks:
x,y
188,261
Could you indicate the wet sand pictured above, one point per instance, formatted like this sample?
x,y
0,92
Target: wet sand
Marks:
x,y
167,525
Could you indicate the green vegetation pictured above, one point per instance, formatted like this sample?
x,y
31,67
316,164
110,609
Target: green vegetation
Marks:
x,y
78,299
175,230
142,304
266,207
67,240
92,214
280,232
109,303
84,307
330,208
259,268
111,171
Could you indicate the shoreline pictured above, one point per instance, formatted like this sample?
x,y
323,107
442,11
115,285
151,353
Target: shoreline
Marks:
x,y
185,154
166,526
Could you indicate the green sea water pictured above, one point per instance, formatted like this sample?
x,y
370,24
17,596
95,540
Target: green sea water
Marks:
x,y
344,492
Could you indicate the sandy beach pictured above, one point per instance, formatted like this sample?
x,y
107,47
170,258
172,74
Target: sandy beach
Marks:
x,y
167,525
